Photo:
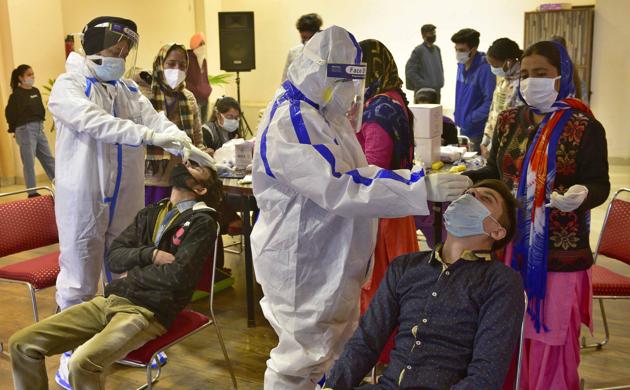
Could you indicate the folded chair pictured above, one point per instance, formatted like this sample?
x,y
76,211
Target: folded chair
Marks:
x,y
187,323
614,243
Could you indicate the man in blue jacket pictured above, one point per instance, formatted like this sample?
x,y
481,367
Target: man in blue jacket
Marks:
x,y
475,86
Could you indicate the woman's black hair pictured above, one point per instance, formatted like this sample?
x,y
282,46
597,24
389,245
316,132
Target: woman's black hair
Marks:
x,y
504,49
546,49
16,74
223,105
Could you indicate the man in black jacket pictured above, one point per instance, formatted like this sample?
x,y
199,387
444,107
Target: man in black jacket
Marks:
x,y
160,255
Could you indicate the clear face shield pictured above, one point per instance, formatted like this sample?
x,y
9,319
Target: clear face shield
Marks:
x,y
119,42
349,89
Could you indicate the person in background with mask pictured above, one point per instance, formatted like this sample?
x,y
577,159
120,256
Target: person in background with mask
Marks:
x,y
504,58
552,153
170,95
319,202
25,115
307,25
475,86
101,120
458,311
197,73
386,137
424,68
224,124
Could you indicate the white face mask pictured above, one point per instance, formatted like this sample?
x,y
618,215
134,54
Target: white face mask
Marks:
x,y
200,53
110,69
497,71
229,125
539,92
29,81
462,56
174,77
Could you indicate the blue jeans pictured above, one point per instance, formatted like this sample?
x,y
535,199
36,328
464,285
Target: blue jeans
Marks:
x,y
32,141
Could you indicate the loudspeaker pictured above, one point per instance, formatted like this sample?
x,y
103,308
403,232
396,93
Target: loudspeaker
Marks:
x,y
236,41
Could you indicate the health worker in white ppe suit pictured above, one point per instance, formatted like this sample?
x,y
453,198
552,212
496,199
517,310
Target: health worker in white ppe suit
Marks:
x,y
319,203
102,122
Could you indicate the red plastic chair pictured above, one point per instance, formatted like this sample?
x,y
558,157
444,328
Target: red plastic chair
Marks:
x,y
613,243
187,323
29,224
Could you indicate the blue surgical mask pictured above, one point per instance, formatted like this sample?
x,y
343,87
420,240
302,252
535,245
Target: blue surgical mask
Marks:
x,y
110,69
464,217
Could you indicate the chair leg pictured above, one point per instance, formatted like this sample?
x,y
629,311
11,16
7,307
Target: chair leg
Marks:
x,y
599,345
33,302
225,353
150,378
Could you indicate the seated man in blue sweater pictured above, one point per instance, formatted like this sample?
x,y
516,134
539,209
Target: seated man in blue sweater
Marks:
x,y
458,310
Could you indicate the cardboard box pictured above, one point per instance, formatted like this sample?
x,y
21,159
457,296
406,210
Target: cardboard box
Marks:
x,y
427,150
427,121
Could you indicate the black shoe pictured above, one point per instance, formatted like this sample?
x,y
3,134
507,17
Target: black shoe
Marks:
x,y
34,194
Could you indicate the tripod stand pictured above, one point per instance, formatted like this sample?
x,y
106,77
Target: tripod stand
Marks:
x,y
244,124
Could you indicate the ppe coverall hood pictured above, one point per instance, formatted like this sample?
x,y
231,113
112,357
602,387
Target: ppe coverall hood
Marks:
x,y
319,201
308,73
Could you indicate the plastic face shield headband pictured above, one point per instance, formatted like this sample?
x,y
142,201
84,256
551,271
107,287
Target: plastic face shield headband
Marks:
x,y
120,42
351,76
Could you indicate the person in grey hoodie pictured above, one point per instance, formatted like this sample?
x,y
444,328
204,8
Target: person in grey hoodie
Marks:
x,y
424,68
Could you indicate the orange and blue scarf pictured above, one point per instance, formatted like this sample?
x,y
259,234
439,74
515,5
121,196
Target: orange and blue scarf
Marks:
x,y
536,184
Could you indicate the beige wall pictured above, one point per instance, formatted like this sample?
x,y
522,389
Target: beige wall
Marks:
x,y
397,26
159,21
36,39
611,75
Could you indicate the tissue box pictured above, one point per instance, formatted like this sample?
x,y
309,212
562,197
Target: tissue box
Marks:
x,y
427,150
427,121
243,155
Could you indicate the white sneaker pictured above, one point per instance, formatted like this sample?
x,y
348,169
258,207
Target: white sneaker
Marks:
x,y
62,375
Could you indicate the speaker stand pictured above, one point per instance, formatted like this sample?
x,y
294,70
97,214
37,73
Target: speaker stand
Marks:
x,y
246,128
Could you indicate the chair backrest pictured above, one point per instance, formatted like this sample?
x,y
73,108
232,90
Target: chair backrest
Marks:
x,y
27,224
614,240
206,278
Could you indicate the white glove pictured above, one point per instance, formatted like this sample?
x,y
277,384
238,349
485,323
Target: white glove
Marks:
x,y
571,200
446,187
224,170
202,158
178,142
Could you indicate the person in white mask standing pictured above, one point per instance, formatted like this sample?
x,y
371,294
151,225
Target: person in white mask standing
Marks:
x,y
552,154
224,124
319,202
101,121
170,95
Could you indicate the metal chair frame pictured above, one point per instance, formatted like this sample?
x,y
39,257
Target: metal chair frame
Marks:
x,y
600,344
